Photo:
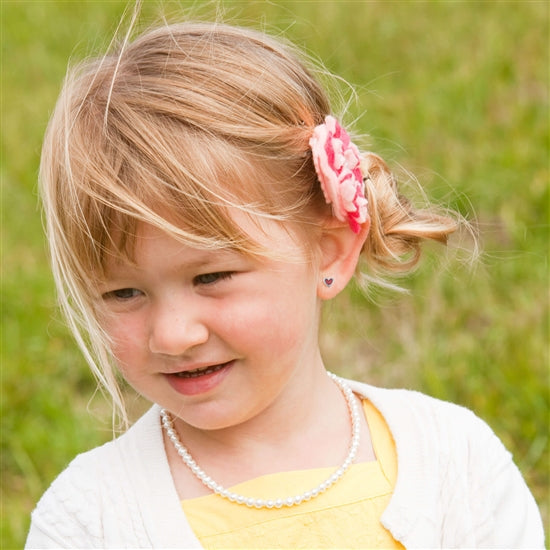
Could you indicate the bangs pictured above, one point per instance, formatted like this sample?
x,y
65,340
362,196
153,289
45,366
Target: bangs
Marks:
x,y
145,168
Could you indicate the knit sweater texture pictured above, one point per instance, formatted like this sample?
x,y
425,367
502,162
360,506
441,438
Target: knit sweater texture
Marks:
x,y
457,486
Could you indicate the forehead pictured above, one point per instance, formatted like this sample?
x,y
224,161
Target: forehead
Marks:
x,y
152,244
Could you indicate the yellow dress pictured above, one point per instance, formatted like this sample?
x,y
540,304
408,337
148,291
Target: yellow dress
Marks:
x,y
345,516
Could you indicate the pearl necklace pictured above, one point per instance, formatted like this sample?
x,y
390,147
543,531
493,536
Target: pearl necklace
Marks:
x,y
280,502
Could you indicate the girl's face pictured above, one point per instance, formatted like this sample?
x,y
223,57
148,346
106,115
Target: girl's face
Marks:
x,y
215,337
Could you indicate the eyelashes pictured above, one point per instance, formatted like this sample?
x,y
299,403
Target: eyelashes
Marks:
x,y
122,294
129,293
212,278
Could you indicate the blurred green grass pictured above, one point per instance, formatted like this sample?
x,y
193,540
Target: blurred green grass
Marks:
x,y
456,93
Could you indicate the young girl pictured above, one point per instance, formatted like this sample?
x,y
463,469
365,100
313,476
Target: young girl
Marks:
x,y
202,202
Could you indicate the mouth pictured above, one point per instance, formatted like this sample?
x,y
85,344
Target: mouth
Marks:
x,y
201,380
201,372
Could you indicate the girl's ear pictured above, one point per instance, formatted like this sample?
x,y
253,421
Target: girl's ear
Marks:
x,y
339,253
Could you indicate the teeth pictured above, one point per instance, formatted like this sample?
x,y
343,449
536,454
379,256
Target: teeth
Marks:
x,y
200,372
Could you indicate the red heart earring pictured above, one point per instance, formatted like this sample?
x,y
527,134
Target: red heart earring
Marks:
x,y
328,281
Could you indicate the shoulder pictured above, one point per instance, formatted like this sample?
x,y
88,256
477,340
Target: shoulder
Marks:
x,y
451,463
448,437
412,409
66,513
93,498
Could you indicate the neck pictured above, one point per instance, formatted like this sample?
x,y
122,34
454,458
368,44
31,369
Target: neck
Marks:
x,y
278,502
296,431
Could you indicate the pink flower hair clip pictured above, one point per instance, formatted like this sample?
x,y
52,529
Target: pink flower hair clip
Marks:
x,y
337,163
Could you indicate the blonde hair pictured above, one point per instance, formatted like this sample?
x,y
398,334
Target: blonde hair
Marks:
x,y
181,128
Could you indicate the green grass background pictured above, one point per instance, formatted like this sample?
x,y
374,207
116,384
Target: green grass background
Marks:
x,y
454,92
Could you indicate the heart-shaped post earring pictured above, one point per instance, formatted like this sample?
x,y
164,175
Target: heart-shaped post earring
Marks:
x,y
328,281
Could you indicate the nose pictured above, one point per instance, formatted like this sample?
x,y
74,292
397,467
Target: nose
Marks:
x,y
176,328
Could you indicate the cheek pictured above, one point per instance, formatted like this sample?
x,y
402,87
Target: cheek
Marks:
x,y
275,325
127,339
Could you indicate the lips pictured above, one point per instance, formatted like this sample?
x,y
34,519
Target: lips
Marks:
x,y
200,380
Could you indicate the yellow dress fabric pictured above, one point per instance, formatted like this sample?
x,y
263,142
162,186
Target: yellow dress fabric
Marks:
x,y
346,516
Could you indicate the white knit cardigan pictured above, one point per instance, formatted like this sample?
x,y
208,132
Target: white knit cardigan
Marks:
x,y
457,486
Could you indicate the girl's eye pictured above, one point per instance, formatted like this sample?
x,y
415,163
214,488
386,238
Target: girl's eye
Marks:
x,y
122,294
211,278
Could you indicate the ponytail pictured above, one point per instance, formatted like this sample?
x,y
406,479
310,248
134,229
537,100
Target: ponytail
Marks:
x,y
397,229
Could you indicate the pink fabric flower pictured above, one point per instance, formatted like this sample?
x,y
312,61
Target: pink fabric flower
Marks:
x,y
337,164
